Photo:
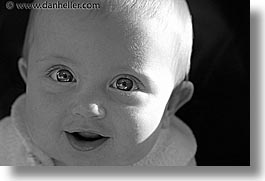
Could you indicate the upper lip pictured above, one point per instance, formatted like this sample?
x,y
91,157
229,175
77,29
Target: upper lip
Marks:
x,y
74,125
74,130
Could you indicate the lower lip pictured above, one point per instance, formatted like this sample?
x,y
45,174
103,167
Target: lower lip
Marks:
x,y
84,145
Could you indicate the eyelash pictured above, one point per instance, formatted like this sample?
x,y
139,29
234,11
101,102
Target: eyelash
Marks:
x,y
57,68
137,85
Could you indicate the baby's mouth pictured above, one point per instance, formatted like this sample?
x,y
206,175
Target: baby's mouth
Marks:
x,y
85,141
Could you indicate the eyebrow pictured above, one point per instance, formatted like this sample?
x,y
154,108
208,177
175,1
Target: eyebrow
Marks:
x,y
56,57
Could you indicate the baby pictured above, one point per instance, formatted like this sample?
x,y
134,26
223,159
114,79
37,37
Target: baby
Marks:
x,y
103,87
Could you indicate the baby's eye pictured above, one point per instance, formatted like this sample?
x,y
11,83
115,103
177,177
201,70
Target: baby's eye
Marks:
x,y
126,83
62,75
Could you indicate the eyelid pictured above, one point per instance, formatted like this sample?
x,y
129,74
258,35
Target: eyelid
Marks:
x,y
138,83
58,67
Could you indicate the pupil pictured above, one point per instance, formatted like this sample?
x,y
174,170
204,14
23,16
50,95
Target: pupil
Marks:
x,y
124,84
64,76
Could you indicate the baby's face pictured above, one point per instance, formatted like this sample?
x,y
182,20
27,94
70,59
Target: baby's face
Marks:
x,y
97,87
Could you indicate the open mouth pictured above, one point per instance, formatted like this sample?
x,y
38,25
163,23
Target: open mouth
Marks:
x,y
85,141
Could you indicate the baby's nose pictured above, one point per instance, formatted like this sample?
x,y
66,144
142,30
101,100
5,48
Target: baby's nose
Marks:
x,y
91,111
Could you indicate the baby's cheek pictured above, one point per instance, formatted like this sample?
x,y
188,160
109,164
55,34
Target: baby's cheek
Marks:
x,y
56,100
146,122
43,118
51,106
45,111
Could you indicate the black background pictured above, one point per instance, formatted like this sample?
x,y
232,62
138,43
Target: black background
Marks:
x,y
218,114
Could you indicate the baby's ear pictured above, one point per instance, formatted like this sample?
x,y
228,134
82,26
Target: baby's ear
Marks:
x,y
23,68
180,95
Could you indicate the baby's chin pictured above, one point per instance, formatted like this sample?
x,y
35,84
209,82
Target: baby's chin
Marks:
x,y
109,162
128,160
60,163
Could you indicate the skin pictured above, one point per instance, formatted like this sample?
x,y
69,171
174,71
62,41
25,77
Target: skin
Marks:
x,y
98,51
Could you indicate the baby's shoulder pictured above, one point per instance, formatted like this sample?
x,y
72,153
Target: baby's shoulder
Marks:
x,y
11,148
5,130
183,129
183,136
175,146
4,139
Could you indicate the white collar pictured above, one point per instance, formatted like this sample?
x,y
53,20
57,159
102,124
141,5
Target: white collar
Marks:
x,y
175,146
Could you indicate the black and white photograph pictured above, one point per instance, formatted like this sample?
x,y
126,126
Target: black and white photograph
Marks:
x,y
125,83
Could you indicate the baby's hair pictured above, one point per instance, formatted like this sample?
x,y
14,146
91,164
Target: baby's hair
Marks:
x,y
173,14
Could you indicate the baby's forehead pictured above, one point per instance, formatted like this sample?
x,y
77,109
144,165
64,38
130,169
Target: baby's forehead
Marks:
x,y
46,23
125,10
51,23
